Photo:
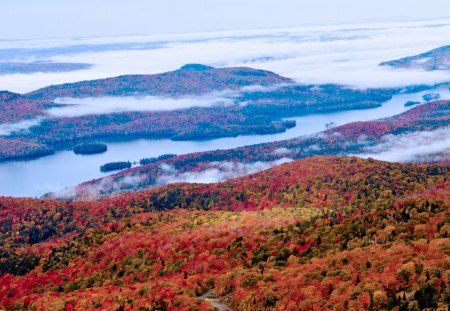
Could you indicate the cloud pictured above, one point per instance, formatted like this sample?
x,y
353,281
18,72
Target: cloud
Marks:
x,y
283,150
262,88
68,193
343,54
75,107
218,171
410,147
106,185
14,127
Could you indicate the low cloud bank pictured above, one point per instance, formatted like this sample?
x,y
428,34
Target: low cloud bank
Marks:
x,y
106,185
410,147
282,150
342,54
219,171
14,127
75,107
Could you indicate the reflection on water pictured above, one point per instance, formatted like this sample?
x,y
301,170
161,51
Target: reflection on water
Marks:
x,y
63,169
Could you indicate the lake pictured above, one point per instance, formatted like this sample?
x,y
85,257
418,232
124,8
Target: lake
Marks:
x,y
63,169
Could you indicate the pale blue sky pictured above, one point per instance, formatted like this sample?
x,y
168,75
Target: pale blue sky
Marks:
x,y
20,19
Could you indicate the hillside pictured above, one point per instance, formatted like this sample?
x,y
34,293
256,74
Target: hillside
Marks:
x,y
188,80
322,233
353,138
437,59
16,107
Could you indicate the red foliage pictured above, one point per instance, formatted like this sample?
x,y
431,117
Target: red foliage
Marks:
x,y
337,233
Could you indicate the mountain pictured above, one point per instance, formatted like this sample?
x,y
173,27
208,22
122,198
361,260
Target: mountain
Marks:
x,y
432,119
212,103
437,59
193,79
323,233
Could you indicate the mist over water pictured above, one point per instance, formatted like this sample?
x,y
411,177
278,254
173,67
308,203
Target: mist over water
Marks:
x,y
75,107
411,146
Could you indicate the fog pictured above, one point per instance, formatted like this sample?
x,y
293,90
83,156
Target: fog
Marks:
x,y
410,147
106,184
218,171
14,127
75,107
343,54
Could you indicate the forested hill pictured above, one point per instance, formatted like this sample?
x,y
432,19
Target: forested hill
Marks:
x,y
323,233
191,79
436,59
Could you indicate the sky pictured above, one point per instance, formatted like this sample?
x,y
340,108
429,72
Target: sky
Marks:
x,y
31,19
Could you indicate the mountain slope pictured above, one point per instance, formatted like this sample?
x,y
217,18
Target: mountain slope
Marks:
x,y
188,80
437,59
15,107
322,233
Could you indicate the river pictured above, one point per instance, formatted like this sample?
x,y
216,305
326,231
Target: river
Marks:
x,y
33,178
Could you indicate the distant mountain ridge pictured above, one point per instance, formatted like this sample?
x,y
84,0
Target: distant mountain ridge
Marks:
x,y
437,59
191,79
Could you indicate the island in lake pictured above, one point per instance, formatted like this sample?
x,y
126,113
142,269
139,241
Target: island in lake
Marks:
x,y
115,166
90,148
